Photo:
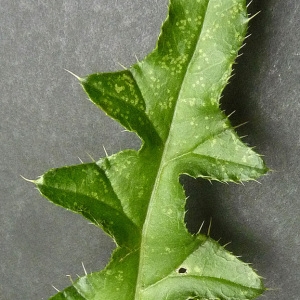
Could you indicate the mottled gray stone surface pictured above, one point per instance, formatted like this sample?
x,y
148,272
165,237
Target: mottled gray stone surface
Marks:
x,y
46,122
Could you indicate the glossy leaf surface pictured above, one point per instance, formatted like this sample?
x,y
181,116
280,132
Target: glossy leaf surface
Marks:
x,y
171,100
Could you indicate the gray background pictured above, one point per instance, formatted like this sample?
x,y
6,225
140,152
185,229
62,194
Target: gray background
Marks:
x,y
46,122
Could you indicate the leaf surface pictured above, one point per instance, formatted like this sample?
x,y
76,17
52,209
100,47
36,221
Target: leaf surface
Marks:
x,y
171,100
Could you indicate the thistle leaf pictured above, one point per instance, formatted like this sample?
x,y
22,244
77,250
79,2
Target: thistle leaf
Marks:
x,y
171,100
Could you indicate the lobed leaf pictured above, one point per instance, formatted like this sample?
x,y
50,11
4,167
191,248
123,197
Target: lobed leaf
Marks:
x,y
171,100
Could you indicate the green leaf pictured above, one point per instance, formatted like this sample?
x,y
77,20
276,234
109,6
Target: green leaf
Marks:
x,y
171,100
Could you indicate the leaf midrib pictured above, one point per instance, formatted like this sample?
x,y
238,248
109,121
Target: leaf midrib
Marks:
x,y
209,278
162,165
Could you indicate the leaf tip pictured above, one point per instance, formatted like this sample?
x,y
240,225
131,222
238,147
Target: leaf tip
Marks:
x,y
76,76
26,179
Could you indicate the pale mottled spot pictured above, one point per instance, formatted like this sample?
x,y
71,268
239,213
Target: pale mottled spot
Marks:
x,y
192,102
168,250
94,194
213,142
119,89
197,269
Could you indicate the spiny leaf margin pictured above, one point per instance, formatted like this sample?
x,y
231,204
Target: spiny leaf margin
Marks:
x,y
208,149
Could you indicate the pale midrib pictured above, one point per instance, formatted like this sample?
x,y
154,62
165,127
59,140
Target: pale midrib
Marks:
x,y
210,278
160,169
213,136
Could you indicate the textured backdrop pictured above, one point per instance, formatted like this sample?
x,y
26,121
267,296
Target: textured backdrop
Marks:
x,y
46,122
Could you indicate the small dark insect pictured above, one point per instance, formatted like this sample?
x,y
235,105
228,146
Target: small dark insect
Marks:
x,y
182,270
